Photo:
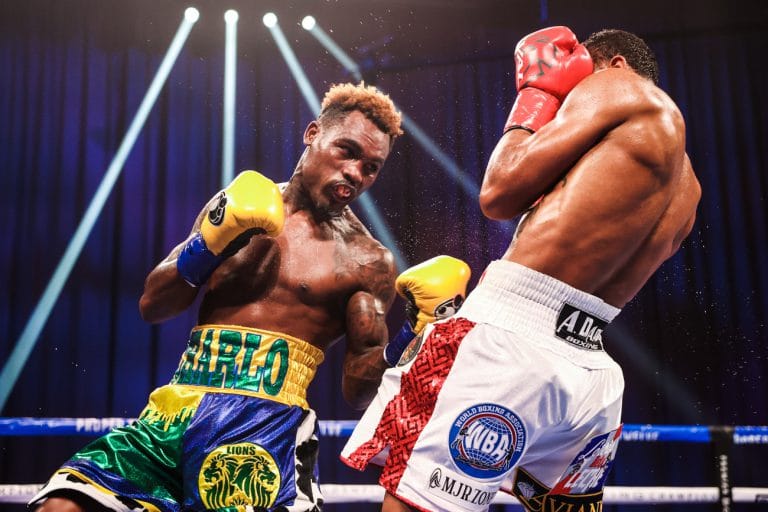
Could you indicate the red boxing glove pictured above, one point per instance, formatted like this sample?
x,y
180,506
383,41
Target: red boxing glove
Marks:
x,y
550,62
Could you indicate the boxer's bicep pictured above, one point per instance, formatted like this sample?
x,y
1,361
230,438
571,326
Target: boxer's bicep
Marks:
x,y
368,307
525,166
366,333
364,359
577,128
366,326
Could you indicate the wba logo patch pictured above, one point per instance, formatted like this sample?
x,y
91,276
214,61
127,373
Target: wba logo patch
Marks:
x,y
486,440
580,328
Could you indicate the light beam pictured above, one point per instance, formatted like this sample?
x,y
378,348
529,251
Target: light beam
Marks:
x,y
42,311
230,81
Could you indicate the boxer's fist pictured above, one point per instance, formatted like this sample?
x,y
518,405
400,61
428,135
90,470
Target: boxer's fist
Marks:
x,y
434,289
251,204
549,63
551,60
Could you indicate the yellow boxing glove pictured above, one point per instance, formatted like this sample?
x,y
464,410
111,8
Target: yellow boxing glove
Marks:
x,y
251,204
433,290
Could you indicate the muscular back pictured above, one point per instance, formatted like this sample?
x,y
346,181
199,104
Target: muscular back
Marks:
x,y
619,193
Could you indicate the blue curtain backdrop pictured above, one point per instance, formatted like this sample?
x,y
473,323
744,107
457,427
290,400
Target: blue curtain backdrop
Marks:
x,y
693,343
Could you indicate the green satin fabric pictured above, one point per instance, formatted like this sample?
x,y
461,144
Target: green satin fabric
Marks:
x,y
147,453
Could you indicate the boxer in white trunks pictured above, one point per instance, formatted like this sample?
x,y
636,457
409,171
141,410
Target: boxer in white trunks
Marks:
x,y
516,391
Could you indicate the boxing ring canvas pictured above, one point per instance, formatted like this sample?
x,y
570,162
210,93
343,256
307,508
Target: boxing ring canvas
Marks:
x,y
692,344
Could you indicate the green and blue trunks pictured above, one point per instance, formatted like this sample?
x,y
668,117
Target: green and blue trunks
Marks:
x,y
232,432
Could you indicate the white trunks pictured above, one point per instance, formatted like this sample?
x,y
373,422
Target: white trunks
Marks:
x,y
514,392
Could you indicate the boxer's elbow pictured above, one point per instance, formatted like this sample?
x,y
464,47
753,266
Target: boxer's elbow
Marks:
x,y
157,306
165,294
489,204
499,204
149,310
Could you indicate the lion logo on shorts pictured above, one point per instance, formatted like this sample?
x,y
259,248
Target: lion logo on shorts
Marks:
x,y
237,475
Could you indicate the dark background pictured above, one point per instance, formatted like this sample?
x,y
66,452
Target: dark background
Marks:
x,y
693,343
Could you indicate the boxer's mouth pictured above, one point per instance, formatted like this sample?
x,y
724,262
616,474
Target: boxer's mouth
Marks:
x,y
343,192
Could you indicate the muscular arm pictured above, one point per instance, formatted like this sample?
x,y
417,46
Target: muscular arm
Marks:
x,y
522,166
166,294
367,333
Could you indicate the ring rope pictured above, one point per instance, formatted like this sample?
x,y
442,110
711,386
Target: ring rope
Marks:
x,y
340,493
343,428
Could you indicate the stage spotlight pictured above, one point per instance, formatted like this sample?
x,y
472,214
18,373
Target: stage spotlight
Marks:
x,y
308,23
270,19
34,326
191,14
230,71
231,16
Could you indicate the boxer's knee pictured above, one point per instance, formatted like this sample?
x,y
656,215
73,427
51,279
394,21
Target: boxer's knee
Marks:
x,y
392,504
59,505
65,500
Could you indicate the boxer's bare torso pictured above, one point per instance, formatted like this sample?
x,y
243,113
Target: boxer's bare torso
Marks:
x,y
300,282
323,277
619,193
